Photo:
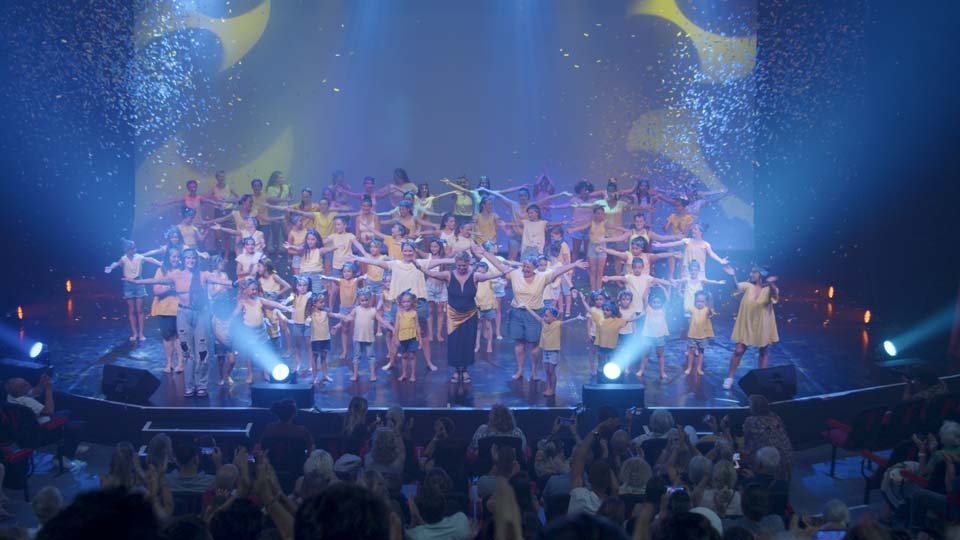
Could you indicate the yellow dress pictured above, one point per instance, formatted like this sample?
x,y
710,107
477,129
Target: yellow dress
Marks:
x,y
756,324
486,227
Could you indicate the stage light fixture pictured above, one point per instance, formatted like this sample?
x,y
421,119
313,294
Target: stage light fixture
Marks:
x,y
69,286
36,349
20,313
281,374
830,291
867,317
611,373
889,348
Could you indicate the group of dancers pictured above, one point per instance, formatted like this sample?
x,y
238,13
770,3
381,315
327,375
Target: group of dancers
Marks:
x,y
359,273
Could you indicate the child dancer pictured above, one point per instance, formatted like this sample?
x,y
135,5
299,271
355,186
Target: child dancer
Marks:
x,y
436,292
319,323
221,309
638,282
407,333
165,310
299,332
699,332
251,337
638,248
295,240
346,288
133,293
562,256
596,255
248,259
654,331
695,249
608,324
693,283
550,344
592,307
249,229
487,304
363,317
533,230
192,236
311,265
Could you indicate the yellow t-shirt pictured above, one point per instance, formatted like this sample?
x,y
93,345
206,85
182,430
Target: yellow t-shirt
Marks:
x,y
319,326
253,314
323,223
700,325
598,231
528,294
298,237
679,224
393,247
299,315
464,204
348,291
406,276
608,329
165,300
406,325
190,235
486,227
344,244
312,261
363,319
374,272
269,284
273,322
485,298
550,336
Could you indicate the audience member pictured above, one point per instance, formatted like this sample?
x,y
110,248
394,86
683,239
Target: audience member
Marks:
x,y
764,428
504,466
661,423
386,454
721,495
240,519
766,467
356,432
188,477
923,383
634,475
343,511
284,428
428,511
600,477
757,517
46,504
108,513
499,424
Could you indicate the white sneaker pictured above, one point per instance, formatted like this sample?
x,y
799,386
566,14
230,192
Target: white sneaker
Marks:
x,y
727,383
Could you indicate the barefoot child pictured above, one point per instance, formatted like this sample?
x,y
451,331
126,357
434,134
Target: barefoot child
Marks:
x,y
407,333
654,331
550,344
608,326
299,331
319,323
699,332
487,304
363,317
133,293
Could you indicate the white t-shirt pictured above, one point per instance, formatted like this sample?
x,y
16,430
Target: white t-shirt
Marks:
x,y
455,527
31,404
582,500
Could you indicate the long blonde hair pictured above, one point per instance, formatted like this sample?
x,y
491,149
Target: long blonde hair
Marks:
x,y
356,414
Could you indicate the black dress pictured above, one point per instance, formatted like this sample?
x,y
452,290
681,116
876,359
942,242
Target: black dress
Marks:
x,y
462,317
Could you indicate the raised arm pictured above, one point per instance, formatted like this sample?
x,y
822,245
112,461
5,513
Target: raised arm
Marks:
x,y
113,266
610,279
168,202
443,275
560,270
367,260
668,245
615,253
714,256
455,187
554,196
276,305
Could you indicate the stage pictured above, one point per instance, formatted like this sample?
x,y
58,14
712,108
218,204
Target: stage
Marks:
x,y
828,343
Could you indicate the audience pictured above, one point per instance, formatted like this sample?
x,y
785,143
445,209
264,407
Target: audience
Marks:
x,y
355,433
188,477
284,428
764,428
661,423
428,511
343,512
499,424
46,504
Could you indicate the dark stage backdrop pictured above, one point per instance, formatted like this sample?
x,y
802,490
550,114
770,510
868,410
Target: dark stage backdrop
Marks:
x,y
658,89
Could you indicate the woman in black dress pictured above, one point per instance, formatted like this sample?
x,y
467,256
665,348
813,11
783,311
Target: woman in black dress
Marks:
x,y
462,313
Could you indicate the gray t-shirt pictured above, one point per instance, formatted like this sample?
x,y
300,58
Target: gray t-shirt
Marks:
x,y
198,483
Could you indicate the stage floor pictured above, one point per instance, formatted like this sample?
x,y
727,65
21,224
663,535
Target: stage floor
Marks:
x,y
828,344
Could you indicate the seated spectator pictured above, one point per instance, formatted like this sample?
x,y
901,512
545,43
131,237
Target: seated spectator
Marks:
x,y
634,475
923,383
343,511
764,428
587,499
356,432
428,511
943,505
242,519
386,452
107,513
699,470
374,482
767,466
443,432
499,424
188,477
20,392
123,472
661,423
721,495
284,428
757,517
505,465
620,449
160,452
224,483
836,516
46,504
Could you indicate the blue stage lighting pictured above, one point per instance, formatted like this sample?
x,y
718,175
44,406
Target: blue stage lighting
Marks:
x,y
36,349
889,348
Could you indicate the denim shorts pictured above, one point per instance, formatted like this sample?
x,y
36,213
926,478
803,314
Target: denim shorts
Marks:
x,y
436,292
499,288
699,343
488,314
551,357
376,287
134,290
320,345
658,341
298,330
409,345
522,326
346,310
295,261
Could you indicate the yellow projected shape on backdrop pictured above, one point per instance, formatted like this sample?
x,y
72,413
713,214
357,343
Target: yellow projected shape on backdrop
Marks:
x,y
237,35
721,58
165,172
674,135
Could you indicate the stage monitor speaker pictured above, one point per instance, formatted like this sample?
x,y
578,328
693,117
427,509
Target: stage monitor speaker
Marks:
x,y
619,396
128,385
778,383
29,371
266,394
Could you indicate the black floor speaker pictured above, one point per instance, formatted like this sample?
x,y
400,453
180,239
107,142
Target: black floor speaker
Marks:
x,y
128,385
619,396
778,383
266,394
